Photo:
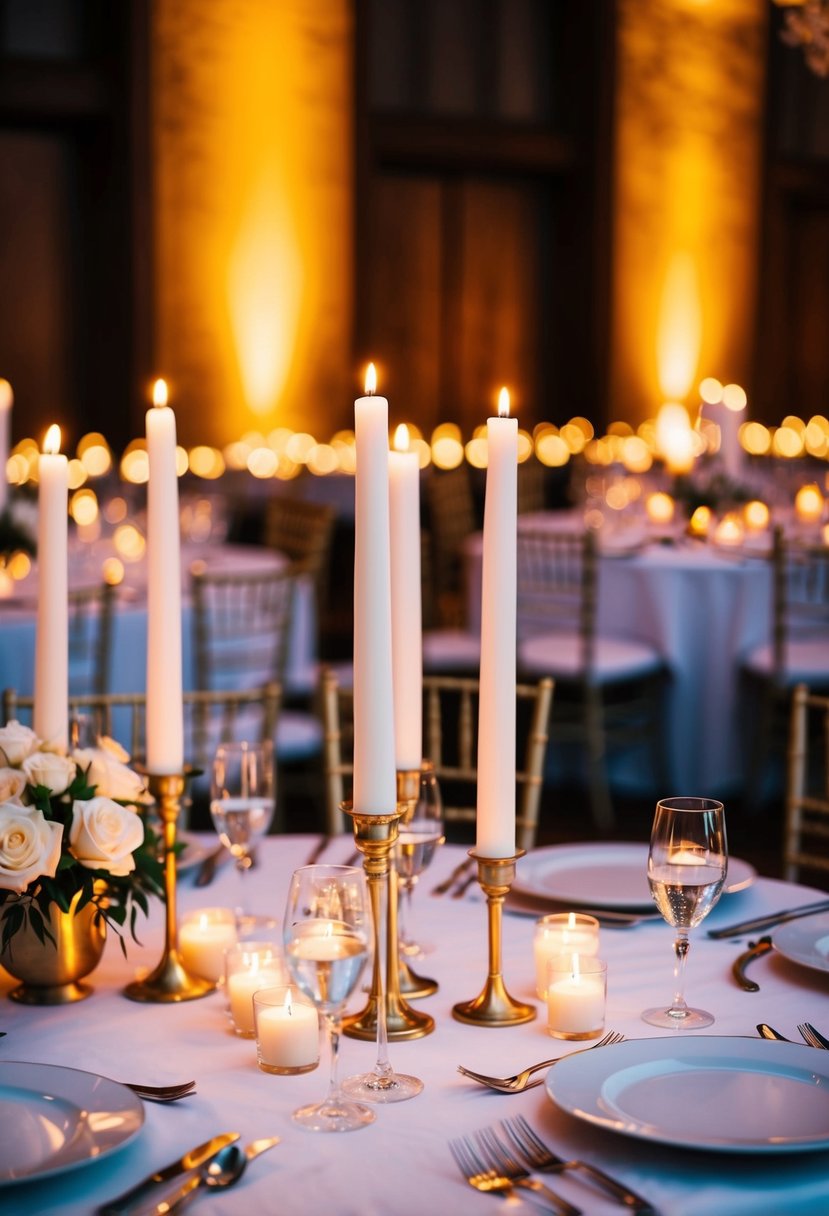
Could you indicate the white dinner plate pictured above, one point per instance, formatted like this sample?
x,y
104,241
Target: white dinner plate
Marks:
x,y
55,1119
612,875
805,940
701,1092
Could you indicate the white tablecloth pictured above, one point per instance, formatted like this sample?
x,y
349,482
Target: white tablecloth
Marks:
x,y
129,641
702,608
400,1166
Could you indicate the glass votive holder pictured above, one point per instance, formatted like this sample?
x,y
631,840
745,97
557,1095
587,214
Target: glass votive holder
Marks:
x,y
287,1030
576,996
562,933
203,937
249,966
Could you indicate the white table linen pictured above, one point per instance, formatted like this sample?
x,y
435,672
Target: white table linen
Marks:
x,y
702,608
401,1166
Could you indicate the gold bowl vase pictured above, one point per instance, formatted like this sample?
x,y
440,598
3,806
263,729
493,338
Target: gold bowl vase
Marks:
x,y
53,975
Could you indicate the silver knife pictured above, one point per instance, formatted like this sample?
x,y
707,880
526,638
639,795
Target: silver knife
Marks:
x,y
766,922
207,869
189,1161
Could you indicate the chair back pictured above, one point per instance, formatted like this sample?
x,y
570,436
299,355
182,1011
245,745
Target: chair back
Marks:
x,y
241,625
557,575
806,831
801,597
90,623
303,531
209,717
452,518
450,742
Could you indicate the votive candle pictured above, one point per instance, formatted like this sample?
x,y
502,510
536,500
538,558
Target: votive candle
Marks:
x,y
203,938
565,933
287,1030
576,996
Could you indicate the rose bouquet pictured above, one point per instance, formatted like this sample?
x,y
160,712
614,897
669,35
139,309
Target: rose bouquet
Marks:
x,y
70,826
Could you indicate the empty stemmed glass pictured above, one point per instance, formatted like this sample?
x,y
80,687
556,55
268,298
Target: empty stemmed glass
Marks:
x,y
242,803
419,835
687,865
325,933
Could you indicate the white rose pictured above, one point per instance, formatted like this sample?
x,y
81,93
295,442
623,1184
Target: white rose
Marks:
x,y
50,769
104,834
113,748
17,742
111,778
29,846
12,784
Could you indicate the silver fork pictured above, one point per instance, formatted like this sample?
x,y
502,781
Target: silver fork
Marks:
x,y
521,1080
813,1037
539,1157
498,1156
162,1093
483,1177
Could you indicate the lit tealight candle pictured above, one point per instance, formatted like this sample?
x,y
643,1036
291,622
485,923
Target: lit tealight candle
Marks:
x,y
249,967
729,532
659,508
700,521
287,1031
756,515
203,937
576,995
562,933
808,504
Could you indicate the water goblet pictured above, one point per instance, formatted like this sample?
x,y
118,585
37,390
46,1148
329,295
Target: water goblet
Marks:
x,y
419,835
687,865
242,803
325,935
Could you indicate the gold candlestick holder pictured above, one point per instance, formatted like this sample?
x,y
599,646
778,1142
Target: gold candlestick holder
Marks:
x,y
494,1006
410,984
374,836
170,981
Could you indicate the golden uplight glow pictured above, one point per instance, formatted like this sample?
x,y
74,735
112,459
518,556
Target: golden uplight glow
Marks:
x,y
674,438
371,380
503,403
160,392
401,438
51,443
679,329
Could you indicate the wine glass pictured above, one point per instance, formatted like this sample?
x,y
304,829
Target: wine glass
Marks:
x,y
325,934
419,835
687,865
242,806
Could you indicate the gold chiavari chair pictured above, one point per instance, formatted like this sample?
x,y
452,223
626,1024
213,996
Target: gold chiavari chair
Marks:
x,y
806,830
450,742
90,621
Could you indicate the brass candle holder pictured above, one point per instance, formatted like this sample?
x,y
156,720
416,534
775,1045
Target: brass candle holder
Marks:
x,y
410,984
374,836
494,1006
170,981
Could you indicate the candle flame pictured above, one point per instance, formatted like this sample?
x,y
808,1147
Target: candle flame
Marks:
x,y
288,1003
503,403
51,444
401,438
371,380
160,394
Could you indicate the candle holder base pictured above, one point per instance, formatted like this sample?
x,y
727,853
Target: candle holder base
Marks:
x,y
413,985
170,981
374,836
494,1006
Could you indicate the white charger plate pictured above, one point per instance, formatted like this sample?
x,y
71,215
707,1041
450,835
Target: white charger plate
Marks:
x,y
805,941
701,1092
602,875
56,1119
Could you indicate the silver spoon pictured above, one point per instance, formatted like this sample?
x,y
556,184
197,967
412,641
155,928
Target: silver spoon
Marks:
x,y
221,1171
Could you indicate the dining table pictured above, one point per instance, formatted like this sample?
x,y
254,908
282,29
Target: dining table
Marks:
x,y
401,1164
702,607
